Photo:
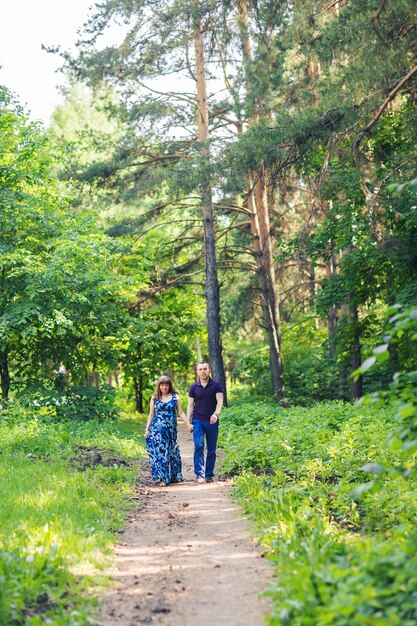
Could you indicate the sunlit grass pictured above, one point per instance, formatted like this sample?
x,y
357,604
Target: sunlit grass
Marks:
x,y
58,516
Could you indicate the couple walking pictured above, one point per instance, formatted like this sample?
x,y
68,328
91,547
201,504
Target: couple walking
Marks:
x,y
205,401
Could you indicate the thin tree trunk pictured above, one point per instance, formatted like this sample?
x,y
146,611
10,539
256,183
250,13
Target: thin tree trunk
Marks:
x,y
274,332
332,316
343,365
356,385
311,272
273,337
4,374
331,329
212,283
350,322
93,379
198,349
343,391
137,383
257,193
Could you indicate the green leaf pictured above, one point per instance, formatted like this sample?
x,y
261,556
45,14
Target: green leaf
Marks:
x,y
383,356
381,349
413,184
372,468
363,488
407,410
367,364
410,446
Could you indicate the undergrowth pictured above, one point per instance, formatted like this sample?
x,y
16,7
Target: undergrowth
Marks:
x,y
344,550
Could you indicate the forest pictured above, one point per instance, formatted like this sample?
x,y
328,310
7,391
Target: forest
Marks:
x,y
233,181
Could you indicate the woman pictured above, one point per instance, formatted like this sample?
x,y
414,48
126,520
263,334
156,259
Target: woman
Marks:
x,y
162,434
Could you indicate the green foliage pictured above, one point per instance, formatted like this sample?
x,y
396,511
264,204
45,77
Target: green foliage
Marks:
x,y
341,557
325,91
36,586
68,291
64,488
253,370
59,295
74,402
309,374
160,337
401,393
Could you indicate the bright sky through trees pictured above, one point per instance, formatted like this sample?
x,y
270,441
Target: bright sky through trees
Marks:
x,y
25,68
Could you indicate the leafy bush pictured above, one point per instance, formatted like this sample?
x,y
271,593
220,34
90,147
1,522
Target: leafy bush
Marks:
x,y
401,393
76,402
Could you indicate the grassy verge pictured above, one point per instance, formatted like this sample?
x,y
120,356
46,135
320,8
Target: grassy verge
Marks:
x,y
344,548
64,489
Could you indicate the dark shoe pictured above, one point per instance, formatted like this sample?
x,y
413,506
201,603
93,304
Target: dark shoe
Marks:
x,y
209,479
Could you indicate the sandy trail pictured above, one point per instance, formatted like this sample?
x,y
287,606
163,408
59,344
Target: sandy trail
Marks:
x,y
186,558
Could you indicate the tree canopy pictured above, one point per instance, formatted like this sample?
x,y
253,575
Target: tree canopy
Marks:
x,y
294,202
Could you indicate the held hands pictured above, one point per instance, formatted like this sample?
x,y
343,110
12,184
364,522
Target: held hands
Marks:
x,y
188,424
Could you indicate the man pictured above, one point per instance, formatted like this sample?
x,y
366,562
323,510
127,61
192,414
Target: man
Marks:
x,y
205,402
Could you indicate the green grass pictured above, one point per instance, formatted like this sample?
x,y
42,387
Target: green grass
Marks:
x,y
60,513
343,546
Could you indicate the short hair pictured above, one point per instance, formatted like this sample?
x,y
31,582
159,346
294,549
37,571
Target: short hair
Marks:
x,y
203,363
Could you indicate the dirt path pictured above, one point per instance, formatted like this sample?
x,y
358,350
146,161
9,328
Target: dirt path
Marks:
x,y
186,559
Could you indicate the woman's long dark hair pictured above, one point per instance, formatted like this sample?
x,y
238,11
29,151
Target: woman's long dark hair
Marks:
x,y
163,379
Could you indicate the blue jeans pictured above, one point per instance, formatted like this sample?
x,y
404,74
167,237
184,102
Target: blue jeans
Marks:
x,y
211,432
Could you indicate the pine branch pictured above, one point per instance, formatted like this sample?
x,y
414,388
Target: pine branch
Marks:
x,y
157,160
232,227
377,15
189,99
150,293
188,62
178,202
159,224
239,249
381,109
225,264
332,5
233,207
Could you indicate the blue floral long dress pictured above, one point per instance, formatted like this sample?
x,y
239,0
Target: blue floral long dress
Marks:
x,y
162,442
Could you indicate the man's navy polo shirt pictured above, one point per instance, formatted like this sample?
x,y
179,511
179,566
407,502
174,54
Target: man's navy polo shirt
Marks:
x,y
204,399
